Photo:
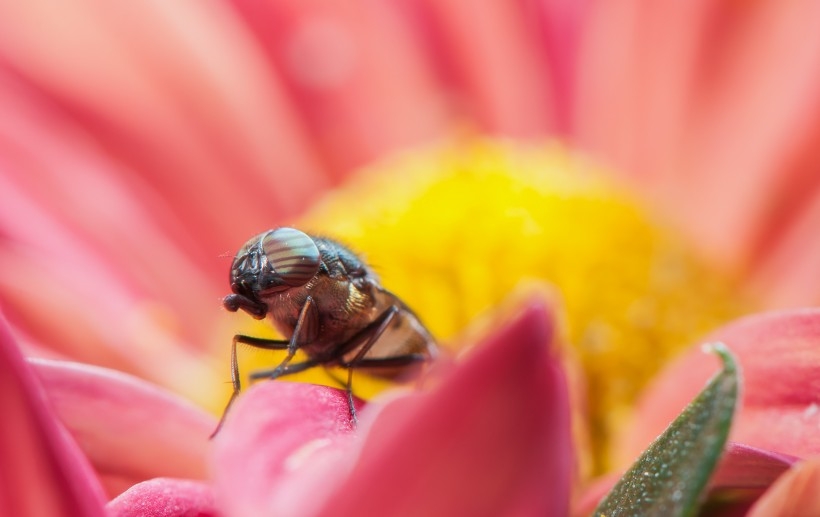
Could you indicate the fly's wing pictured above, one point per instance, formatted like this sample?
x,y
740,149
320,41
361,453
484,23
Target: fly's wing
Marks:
x,y
404,335
398,351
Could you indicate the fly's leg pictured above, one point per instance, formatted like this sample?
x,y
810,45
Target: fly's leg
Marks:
x,y
280,371
256,342
305,330
380,362
372,332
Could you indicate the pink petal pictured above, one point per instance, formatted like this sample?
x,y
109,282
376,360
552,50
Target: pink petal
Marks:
x,y
780,360
492,439
356,73
164,497
264,439
753,142
712,107
743,466
51,275
182,94
130,429
787,274
795,494
490,58
639,66
46,474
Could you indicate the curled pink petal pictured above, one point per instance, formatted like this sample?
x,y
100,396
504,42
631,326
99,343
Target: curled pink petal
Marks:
x,y
131,430
165,497
46,474
779,355
269,433
492,439
743,466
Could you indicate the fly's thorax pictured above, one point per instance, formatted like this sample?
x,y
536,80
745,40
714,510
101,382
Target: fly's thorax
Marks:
x,y
284,308
341,308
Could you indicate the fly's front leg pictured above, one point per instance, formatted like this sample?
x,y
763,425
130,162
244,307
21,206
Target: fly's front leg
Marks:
x,y
304,332
256,342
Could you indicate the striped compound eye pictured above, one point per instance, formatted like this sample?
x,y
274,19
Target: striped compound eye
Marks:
x,y
292,254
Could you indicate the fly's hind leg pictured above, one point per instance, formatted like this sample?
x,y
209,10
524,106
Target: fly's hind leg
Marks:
x,y
369,336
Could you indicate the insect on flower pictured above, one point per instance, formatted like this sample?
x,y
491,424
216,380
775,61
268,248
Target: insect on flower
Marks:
x,y
326,302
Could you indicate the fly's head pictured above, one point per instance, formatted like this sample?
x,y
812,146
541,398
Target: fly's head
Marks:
x,y
270,263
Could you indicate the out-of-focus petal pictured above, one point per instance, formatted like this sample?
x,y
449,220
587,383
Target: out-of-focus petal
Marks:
x,y
165,497
492,62
779,354
53,271
493,438
637,64
179,93
712,108
46,472
795,494
269,433
356,73
130,430
788,274
750,160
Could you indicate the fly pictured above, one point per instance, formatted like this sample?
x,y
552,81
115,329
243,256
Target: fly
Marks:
x,y
326,302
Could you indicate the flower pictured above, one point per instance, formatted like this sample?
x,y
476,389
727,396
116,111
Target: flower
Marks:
x,y
180,129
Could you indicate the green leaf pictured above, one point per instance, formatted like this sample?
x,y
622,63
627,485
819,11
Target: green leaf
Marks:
x,y
671,475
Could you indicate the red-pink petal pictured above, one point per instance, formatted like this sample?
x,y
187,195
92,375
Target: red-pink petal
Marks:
x,y
795,494
265,438
779,354
131,430
46,472
492,439
164,497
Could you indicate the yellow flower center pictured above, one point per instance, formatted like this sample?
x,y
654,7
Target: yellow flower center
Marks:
x,y
453,230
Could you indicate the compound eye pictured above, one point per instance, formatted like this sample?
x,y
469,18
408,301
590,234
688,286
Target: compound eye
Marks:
x,y
292,254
